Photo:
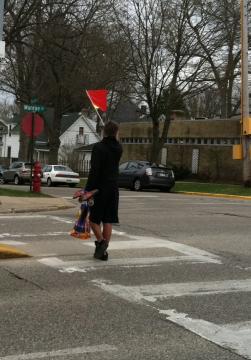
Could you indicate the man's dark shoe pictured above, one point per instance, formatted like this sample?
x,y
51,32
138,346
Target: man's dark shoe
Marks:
x,y
96,248
100,250
104,257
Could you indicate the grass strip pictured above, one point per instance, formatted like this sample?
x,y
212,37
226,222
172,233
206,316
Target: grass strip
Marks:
x,y
21,193
226,189
82,183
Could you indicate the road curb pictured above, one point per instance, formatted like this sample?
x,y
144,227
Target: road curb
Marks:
x,y
28,210
226,196
9,252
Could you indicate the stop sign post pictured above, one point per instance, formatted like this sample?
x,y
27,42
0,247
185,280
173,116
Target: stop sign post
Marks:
x,y
32,125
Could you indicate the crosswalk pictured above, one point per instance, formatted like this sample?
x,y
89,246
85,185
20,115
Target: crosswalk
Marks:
x,y
180,253
232,336
178,302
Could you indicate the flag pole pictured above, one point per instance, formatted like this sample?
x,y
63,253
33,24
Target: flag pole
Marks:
x,y
102,122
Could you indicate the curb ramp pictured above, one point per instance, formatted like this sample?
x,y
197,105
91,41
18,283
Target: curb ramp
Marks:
x,y
10,252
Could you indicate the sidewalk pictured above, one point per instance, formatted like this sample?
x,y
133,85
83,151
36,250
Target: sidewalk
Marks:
x,y
13,204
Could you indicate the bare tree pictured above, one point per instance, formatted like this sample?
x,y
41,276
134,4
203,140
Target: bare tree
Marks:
x,y
216,25
161,48
51,56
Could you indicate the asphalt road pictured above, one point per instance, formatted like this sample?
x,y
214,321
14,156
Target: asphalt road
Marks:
x,y
177,284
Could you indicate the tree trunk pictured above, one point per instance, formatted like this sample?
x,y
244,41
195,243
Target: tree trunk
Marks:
x,y
155,151
24,141
53,153
54,134
23,153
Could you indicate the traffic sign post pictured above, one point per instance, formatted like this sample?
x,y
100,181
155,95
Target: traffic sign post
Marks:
x,y
32,147
32,125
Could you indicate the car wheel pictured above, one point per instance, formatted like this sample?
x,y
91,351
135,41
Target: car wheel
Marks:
x,y
137,185
17,180
166,189
49,182
1,180
72,185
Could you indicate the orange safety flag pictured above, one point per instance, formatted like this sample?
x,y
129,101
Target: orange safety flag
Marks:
x,y
98,98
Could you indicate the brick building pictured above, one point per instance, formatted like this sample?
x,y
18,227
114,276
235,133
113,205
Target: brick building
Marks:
x,y
203,146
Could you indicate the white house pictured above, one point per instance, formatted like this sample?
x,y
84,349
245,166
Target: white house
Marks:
x,y
77,130
80,132
9,139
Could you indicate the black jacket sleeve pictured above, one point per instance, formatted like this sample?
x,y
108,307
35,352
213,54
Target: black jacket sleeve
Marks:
x,y
95,171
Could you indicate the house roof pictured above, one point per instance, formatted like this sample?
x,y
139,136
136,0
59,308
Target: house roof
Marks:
x,y
127,111
85,148
67,121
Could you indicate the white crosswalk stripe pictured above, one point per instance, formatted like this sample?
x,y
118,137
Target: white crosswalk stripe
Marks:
x,y
61,353
185,254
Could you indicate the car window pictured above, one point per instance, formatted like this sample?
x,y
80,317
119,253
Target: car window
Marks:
x,y
132,166
16,165
123,166
141,165
27,165
62,168
47,168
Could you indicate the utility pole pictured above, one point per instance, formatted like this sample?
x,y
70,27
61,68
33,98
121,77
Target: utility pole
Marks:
x,y
2,43
1,18
245,121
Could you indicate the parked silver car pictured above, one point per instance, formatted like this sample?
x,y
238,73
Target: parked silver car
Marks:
x,y
2,169
19,173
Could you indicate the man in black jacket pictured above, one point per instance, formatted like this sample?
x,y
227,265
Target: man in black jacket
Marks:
x,y
104,176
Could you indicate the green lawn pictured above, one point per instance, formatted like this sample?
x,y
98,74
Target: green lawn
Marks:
x,y
82,182
212,188
20,193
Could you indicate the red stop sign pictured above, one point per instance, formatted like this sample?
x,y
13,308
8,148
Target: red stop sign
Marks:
x,y
26,125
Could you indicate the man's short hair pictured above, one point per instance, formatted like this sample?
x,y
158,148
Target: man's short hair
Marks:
x,y
111,128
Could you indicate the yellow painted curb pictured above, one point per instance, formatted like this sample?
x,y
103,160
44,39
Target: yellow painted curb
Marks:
x,y
9,252
215,195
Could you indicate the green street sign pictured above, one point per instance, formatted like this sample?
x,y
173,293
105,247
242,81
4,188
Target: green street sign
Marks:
x,y
34,108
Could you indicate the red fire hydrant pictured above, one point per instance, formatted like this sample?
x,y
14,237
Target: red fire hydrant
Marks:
x,y
36,182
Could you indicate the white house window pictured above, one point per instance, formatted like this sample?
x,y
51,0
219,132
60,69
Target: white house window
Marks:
x,y
81,131
9,152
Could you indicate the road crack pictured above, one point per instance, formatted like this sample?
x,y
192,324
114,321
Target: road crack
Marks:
x,y
11,273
